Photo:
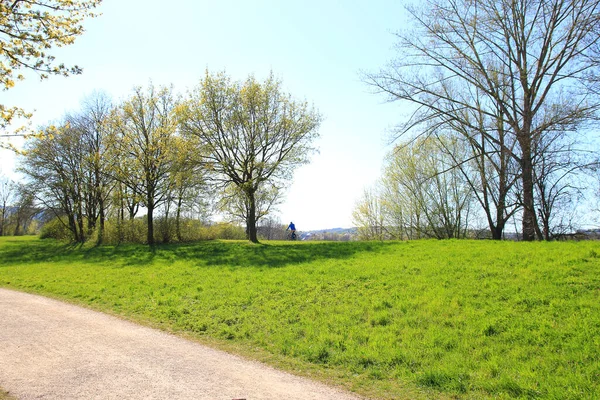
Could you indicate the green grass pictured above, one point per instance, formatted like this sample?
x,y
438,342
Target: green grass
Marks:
x,y
426,319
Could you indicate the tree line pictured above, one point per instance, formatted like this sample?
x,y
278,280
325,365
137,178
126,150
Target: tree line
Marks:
x,y
227,143
439,187
233,143
501,100
18,210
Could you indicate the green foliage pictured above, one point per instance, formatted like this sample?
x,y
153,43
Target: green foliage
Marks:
x,y
420,195
128,231
224,231
134,231
143,140
54,229
28,32
253,135
426,319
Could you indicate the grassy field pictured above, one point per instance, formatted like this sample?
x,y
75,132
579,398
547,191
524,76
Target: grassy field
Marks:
x,y
425,319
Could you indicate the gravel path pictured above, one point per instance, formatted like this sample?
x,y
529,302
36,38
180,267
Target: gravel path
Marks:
x,y
53,350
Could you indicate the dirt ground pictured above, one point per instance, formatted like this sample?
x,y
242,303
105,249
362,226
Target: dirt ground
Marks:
x,y
53,350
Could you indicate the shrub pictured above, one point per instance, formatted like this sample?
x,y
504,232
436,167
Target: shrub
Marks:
x,y
55,229
128,231
135,231
228,231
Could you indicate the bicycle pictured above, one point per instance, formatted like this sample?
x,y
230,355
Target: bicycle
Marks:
x,y
292,236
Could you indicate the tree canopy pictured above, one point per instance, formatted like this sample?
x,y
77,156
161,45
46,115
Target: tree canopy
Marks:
x,y
525,68
28,30
253,134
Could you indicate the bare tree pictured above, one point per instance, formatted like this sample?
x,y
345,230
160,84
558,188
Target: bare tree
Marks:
x,y
272,229
489,167
558,166
54,166
252,133
24,210
91,123
7,199
533,60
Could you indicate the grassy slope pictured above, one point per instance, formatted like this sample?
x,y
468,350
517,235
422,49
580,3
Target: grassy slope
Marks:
x,y
393,320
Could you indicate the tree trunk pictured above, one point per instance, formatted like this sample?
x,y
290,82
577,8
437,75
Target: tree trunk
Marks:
x,y
497,232
79,218
178,219
72,226
251,218
150,237
529,218
150,204
2,219
101,222
121,214
166,234
91,216
81,234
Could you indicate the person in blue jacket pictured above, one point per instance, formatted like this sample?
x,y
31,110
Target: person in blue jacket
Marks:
x,y
292,228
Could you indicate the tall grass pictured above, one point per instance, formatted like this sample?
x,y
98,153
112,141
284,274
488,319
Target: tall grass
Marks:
x,y
456,319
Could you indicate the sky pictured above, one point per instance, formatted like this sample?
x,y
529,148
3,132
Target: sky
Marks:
x,y
318,48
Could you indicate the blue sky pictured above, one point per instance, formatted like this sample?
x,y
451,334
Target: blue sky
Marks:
x,y
317,49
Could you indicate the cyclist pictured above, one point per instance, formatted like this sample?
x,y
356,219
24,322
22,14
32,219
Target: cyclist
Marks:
x,y
292,228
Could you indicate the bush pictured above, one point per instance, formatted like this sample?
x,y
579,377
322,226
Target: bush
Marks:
x,y
164,230
193,230
55,229
135,231
128,231
228,231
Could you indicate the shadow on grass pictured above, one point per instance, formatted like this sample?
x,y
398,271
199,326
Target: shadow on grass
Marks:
x,y
269,255
15,252
203,254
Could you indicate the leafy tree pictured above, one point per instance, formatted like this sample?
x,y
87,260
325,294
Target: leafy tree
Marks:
x,y
369,218
420,194
28,28
142,139
253,134
188,181
431,198
235,203
535,61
